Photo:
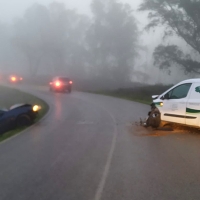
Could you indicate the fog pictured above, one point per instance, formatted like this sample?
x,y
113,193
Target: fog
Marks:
x,y
76,39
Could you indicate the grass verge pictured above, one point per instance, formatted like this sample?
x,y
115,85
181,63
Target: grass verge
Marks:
x,y
141,94
11,96
130,97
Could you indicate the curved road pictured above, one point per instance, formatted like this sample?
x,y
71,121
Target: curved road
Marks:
x,y
88,149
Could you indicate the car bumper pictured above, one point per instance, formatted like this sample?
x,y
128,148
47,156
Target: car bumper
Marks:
x,y
63,88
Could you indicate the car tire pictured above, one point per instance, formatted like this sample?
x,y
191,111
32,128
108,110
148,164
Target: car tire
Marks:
x,y
23,120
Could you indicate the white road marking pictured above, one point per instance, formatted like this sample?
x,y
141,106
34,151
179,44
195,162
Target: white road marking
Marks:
x,y
102,183
99,192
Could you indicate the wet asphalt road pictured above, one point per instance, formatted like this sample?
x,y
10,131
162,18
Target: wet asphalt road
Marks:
x,y
88,149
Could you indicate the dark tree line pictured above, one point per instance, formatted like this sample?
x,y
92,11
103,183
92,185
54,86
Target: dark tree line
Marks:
x,y
180,18
60,40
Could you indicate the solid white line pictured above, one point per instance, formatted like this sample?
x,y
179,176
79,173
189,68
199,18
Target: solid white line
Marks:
x,y
101,186
102,183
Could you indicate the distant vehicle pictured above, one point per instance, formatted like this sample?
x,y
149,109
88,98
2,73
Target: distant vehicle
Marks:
x,y
61,84
18,115
15,79
181,103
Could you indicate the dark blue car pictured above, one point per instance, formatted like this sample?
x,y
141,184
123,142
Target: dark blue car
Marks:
x,y
18,115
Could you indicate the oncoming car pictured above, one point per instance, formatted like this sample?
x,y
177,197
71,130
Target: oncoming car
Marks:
x,y
15,79
17,116
61,84
181,103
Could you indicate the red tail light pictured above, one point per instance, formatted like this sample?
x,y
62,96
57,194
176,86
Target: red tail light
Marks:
x,y
13,79
57,84
70,82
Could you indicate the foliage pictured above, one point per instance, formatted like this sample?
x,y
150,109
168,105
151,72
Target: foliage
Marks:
x,y
182,18
112,39
57,40
54,33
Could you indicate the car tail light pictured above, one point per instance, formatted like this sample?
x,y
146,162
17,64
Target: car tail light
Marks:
x,y
58,84
70,82
13,78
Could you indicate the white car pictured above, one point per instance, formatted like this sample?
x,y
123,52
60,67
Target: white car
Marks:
x,y
181,103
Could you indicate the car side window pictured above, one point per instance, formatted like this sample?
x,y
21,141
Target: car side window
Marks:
x,y
179,92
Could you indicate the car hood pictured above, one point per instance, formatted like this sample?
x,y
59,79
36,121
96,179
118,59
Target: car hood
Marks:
x,y
17,105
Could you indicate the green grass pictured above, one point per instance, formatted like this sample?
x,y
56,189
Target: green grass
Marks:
x,y
11,96
140,99
141,94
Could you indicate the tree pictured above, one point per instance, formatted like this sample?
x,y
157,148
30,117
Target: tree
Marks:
x,y
68,31
4,45
29,34
166,56
181,18
53,35
112,39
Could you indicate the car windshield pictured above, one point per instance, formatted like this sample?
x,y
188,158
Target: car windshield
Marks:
x,y
64,79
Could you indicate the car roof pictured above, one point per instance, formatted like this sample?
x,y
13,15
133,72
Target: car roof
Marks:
x,y
17,105
61,77
194,80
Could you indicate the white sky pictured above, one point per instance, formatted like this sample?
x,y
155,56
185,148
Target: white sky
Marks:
x,y
10,9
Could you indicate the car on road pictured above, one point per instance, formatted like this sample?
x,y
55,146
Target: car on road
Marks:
x,y
181,103
15,79
18,115
61,84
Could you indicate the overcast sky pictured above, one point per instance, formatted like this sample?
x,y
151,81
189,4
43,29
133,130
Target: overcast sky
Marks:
x,y
9,9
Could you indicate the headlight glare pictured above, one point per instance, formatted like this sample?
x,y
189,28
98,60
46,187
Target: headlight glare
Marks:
x,y
36,108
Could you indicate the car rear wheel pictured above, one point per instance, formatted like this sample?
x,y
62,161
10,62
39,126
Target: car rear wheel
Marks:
x,y
23,120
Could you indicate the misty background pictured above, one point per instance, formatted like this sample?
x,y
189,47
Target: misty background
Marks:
x,y
102,40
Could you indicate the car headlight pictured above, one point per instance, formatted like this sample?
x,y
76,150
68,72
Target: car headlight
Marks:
x,y
36,108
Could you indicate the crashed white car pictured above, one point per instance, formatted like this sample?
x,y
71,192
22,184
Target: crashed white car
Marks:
x,y
181,103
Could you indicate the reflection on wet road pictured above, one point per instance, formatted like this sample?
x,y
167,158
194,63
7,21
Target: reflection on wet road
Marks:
x,y
88,148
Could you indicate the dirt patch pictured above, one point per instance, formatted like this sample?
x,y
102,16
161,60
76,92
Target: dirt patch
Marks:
x,y
140,131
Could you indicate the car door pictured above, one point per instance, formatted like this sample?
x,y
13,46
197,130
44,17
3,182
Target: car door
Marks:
x,y
4,123
174,104
193,106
